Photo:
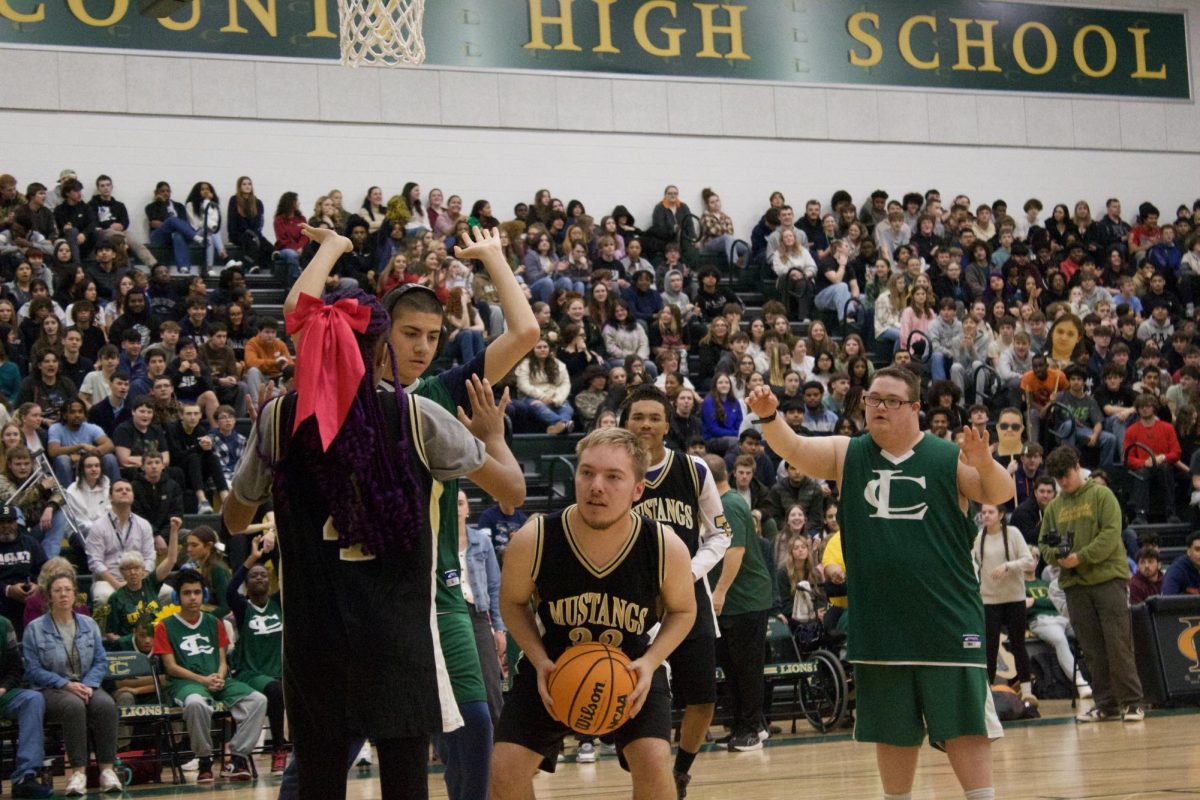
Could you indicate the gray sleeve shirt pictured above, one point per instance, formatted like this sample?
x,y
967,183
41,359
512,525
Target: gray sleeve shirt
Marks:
x,y
451,449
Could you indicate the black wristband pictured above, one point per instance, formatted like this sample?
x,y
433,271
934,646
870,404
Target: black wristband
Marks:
x,y
769,418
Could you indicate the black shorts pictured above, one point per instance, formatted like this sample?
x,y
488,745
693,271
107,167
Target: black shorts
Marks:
x,y
694,671
525,721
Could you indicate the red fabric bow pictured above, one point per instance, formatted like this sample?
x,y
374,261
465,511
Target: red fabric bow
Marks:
x,y
329,365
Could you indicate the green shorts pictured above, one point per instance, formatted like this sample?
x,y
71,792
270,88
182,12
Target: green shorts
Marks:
x,y
234,690
898,704
457,638
255,680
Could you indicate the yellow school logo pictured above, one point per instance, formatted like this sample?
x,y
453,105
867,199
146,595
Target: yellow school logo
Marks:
x,y
1187,642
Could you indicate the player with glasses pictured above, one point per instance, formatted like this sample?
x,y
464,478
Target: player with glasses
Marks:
x,y
890,403
918,655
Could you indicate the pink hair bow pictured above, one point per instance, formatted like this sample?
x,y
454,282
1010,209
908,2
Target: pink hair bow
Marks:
x,y
329,364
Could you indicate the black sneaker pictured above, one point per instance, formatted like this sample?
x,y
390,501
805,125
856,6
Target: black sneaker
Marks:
x,y
682,779
745,743
28,787
236,769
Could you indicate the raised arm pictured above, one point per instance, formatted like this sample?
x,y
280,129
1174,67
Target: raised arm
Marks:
x,y
522,328
312,279
981,479
820,456
501,475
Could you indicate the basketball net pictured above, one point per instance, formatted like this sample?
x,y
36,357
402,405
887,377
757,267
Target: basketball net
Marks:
x,y
381,33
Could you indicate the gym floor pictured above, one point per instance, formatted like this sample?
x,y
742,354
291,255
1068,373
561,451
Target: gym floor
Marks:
x,y
1047,759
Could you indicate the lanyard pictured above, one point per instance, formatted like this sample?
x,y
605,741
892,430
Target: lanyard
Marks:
x,y
121,540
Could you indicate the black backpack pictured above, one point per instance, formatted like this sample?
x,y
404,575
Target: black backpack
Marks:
x,y
1049,682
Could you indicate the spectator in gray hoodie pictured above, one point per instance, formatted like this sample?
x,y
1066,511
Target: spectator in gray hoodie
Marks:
x,y
944,333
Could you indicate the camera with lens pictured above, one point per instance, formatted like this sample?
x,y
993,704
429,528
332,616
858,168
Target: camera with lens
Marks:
x,y
1062,544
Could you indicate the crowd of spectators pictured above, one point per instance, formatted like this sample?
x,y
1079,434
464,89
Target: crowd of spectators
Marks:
x,y
129,373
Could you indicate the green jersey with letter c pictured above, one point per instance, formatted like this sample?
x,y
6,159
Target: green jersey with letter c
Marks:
x,y
195,647
914,597
260,640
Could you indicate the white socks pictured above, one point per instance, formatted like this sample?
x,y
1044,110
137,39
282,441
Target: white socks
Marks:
x,y
981,794
905,796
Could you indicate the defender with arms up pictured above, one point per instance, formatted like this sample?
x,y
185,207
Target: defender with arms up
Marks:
x,y
916,635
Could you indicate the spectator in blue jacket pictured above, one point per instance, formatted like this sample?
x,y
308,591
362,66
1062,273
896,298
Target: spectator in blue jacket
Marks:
x,y
26,707
65,659
481,589
1183,576
721,414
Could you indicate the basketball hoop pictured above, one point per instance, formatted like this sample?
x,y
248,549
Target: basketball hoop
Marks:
x,y
381,33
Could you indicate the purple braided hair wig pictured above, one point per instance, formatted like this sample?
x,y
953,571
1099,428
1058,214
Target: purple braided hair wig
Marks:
x,y
366,478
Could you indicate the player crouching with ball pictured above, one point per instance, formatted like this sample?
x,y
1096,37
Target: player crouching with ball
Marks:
x,y
600,574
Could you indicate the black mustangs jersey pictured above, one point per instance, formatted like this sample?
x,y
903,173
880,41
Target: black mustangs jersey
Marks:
x,y
679,492
576,601
672,496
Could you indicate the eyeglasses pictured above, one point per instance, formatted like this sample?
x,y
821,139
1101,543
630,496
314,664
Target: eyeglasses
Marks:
x,y
890,403
1010,426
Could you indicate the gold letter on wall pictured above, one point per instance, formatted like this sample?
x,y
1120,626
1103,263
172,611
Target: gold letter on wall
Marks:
x,y
874,48
604,11
984,43
187,24
1110,48
673,34
265,16
81,13
537,20
709,29
321,20
906,50
1019,48
37,15
1139,47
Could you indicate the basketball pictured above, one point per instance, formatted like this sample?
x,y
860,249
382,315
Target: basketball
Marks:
x,y
590,687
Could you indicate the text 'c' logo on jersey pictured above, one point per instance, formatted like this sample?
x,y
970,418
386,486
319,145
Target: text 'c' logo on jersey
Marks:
x,y
196,644
879,494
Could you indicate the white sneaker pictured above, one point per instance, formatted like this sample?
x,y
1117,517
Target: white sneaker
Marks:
x,y
364,756
586,754
233,262
109,782
1133,714
191,766
77,786
205,507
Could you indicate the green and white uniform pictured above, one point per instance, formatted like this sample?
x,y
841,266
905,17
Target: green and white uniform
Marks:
x,y
914,594
196,648
259,652
455,631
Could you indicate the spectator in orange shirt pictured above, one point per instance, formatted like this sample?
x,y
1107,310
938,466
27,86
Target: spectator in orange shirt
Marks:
x,y
266,356
1040,385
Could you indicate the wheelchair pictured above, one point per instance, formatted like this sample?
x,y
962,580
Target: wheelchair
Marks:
x,y
808,660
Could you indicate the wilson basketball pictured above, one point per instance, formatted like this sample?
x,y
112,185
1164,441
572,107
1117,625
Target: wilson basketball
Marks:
x,y
590,688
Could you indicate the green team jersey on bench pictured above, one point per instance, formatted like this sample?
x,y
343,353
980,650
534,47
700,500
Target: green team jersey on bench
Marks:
x,y
907,544
196,648
260,641
455,631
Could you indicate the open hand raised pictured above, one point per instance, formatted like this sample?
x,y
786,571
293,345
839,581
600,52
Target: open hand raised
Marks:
x,y
976,448
480,242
